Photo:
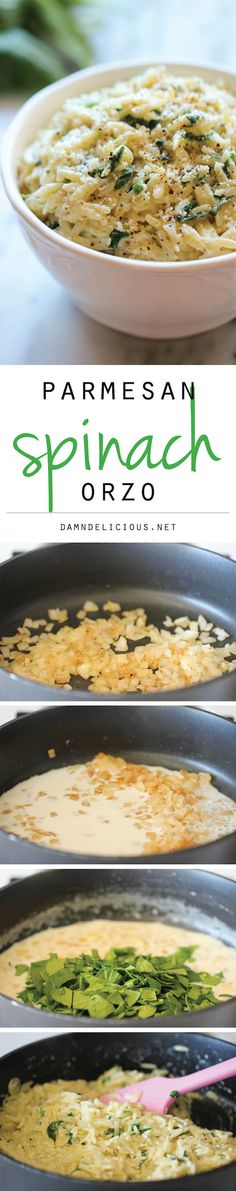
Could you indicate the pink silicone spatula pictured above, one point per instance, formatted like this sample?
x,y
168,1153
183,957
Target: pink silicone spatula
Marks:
x,y
157,1093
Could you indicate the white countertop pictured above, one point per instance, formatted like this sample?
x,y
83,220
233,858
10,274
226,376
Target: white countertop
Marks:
x,y
17,872
38,322
8,711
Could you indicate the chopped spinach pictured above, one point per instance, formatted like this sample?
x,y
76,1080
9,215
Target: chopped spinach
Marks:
x,y
192,117
113,1132
116,236
124,177
115,157
186,209
138,1127
139,121
52,1129
164,152
227,164
70,1137
191,211
204,136
194,215
120,984
220,202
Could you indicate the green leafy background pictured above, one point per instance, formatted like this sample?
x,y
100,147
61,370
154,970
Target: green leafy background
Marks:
x,y
42,40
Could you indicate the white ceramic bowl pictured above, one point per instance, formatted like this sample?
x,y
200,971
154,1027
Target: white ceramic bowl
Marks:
x,y
155,300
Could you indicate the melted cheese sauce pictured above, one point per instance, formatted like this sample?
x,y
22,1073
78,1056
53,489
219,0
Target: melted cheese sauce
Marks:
x,y
156,938
112,807
64,1127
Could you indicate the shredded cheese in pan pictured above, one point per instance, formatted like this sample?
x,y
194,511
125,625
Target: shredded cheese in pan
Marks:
x,y
146,169
64,1128
119,652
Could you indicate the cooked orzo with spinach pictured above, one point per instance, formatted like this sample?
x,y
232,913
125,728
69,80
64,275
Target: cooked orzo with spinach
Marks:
x,y
146,169
65,1128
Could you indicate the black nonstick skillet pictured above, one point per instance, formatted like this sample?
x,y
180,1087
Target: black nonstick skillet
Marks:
x,y
176,737
175,579
65,1056
192,899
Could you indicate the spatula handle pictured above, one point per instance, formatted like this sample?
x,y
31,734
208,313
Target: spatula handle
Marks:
x,y
201,1079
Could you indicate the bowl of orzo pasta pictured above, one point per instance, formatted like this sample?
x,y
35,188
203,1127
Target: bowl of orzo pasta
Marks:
x,y
124,181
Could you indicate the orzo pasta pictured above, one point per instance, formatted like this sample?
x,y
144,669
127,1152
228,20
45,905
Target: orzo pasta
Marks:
x,y
146,169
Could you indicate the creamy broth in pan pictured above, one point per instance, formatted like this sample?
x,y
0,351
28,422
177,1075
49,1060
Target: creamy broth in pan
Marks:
x,y
156,938
112,807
